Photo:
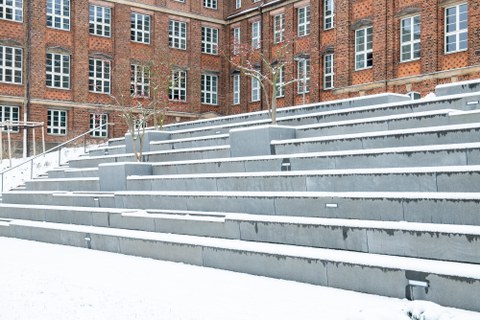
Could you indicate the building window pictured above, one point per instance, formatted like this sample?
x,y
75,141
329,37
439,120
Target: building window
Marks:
x,y
255,90
57,122
177,34
278,27
99,76
209,40
10,65
139,81
328,14
456,28
100,21
256,35
236,88
303,21
11,10
236,40
328,71
303,76
410,38
211,4
209,89
58,14
99,122
140,27
58,71
363,48
178,86
9,114
414,95
280,83
238,4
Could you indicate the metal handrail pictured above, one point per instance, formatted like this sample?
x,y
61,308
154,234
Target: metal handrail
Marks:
x,y
58,147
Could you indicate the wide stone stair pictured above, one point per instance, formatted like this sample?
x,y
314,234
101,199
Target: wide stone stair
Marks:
x,y
378,194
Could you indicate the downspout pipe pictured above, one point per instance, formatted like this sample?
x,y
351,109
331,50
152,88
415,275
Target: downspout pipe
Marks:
x,y
27,74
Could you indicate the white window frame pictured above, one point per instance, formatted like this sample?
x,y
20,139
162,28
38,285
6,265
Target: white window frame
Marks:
x,y
97,120
178,86
100,21
328,71
236,89
280,83
210,40
460,29
303,68
59,126
410,38
236,40
414,95
58,71
58,19
99,82
9,114
303,22
139,81
256,90
328,14
177,34
13,11
238,4
363,48
209,89
279,28
11,67
140,26
210,4
256,35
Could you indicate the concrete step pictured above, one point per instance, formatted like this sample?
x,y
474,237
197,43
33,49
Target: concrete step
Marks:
x,y
463,133
106,150
371,273
391,122
156,156
425,207
416,179
293,111
73,173
456,88
419,240
196,142
64,184
437,155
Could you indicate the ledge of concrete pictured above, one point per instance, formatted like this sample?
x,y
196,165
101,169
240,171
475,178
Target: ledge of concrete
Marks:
x,y
113,176
256,141
149,136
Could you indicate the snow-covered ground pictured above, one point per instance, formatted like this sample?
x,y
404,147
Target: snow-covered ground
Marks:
x,y
45,281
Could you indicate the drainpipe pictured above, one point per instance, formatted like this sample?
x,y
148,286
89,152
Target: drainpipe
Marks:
x,y
27,73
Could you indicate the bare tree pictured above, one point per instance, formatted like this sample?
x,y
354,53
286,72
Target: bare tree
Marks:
x,y
253,62
148,100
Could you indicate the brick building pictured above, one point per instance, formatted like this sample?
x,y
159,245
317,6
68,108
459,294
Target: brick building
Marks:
x,y
75,54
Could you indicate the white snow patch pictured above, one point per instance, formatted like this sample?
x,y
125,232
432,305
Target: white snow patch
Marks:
x,y
44,281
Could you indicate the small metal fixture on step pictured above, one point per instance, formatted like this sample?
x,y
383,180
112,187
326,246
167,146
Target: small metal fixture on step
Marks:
x,y
88,241
286,165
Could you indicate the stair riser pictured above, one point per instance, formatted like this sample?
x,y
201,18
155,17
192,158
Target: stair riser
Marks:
x,y
447,211
414,182
381,160
399,242
370,279
189,144
388,141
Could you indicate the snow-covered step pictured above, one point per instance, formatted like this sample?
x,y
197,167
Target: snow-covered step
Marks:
x,y
64,184
156,156
371,273
73,173
390,122
429,207
400,238
436,155
416,179
462,133
105,150
185,143
461,87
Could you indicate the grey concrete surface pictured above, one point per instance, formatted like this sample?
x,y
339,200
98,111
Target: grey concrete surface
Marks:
x,y
113,176
148,137
461,87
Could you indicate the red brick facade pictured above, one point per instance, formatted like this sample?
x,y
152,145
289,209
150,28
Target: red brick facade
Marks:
x,y
387,72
